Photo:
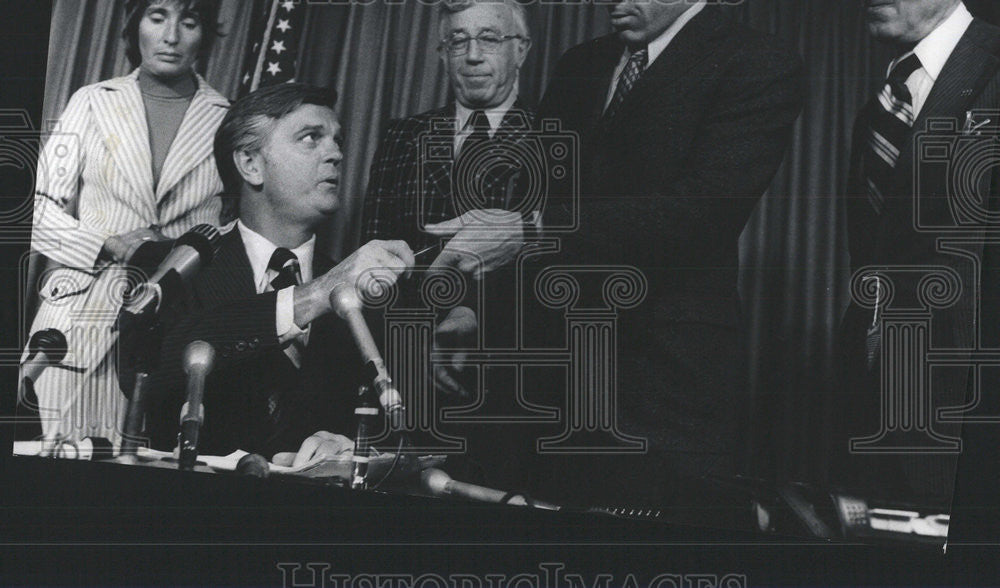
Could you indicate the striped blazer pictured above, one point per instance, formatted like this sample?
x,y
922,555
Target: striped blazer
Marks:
x,y
95,180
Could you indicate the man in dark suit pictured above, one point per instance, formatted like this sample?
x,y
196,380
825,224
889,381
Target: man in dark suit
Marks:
x,y
684,118
432,169
286,370
458,175
917,215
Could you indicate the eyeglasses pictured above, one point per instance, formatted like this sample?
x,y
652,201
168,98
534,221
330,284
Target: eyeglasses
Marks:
x,y
458,43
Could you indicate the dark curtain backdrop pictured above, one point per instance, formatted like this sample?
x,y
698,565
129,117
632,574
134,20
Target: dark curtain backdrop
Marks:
x,y
382,60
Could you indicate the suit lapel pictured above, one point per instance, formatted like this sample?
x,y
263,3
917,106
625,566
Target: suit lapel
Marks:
x,y
231,274
692,45
597,87
514,124
967,71
437,174
194,140
119,112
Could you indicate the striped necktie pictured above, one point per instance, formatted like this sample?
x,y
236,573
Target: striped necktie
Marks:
x,y
892,119
636,64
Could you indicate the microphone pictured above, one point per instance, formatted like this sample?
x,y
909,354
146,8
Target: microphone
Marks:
x,y
437,483
46,348
365,414
199,357
253,465
149,255
192,251
88,449
346,303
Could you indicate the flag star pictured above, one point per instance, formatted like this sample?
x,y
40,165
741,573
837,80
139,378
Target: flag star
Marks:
x,y
278,47
288,5
283,25
273,68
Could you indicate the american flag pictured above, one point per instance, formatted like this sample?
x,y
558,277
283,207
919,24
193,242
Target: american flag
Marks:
x,y
273,47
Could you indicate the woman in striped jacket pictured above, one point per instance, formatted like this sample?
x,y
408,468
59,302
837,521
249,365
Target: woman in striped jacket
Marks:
x,y
130,161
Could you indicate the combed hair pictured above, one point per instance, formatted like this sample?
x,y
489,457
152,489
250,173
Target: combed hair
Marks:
x,y
249,122
207,12
449,7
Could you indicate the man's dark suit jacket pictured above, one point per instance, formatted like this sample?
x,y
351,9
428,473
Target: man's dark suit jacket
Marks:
x,y
970,81
667,186
223,309
411,181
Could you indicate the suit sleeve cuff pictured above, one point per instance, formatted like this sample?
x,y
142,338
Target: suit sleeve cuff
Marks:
x,y
284,320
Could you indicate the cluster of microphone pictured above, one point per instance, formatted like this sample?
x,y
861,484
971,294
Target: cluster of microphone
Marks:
x,y
181,261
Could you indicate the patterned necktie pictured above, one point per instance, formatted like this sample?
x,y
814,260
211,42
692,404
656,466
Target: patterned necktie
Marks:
x,y
476,157
480,125
637,63
892,119
285,265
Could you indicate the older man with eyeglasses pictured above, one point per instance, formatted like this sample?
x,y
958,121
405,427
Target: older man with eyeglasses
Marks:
x,y
453,183
482,45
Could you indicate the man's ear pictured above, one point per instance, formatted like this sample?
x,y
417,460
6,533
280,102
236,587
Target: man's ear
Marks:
x,y
250,165
523,46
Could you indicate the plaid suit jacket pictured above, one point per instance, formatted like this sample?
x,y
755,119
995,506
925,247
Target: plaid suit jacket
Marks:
x,y
413,180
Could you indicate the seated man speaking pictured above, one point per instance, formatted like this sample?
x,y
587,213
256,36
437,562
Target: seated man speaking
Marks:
x,y
286,371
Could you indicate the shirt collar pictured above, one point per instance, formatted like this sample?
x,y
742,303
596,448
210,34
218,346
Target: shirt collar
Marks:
x,y
260,249
659,44
935,49
495,115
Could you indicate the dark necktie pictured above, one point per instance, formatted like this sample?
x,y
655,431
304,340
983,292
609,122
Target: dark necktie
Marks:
x,y
480,126
636,64
476,157
286,266
892,119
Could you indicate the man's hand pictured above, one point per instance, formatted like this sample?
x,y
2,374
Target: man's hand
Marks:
x,y
386,260
121,247
457,330
321,444
481,241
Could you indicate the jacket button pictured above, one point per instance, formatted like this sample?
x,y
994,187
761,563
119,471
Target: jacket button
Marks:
x,y
254,343
241,346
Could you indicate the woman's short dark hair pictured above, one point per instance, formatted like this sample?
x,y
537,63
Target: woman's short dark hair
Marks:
x,y
206,10
249,122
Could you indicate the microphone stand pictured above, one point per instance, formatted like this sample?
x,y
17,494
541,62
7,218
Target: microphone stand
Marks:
x,y
141,337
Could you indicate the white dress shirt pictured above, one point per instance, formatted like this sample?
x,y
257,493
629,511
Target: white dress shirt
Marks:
x,y
259,250
655,47
933,52
463,114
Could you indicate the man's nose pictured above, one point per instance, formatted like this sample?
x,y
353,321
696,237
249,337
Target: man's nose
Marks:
x,y
333,153
475,54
